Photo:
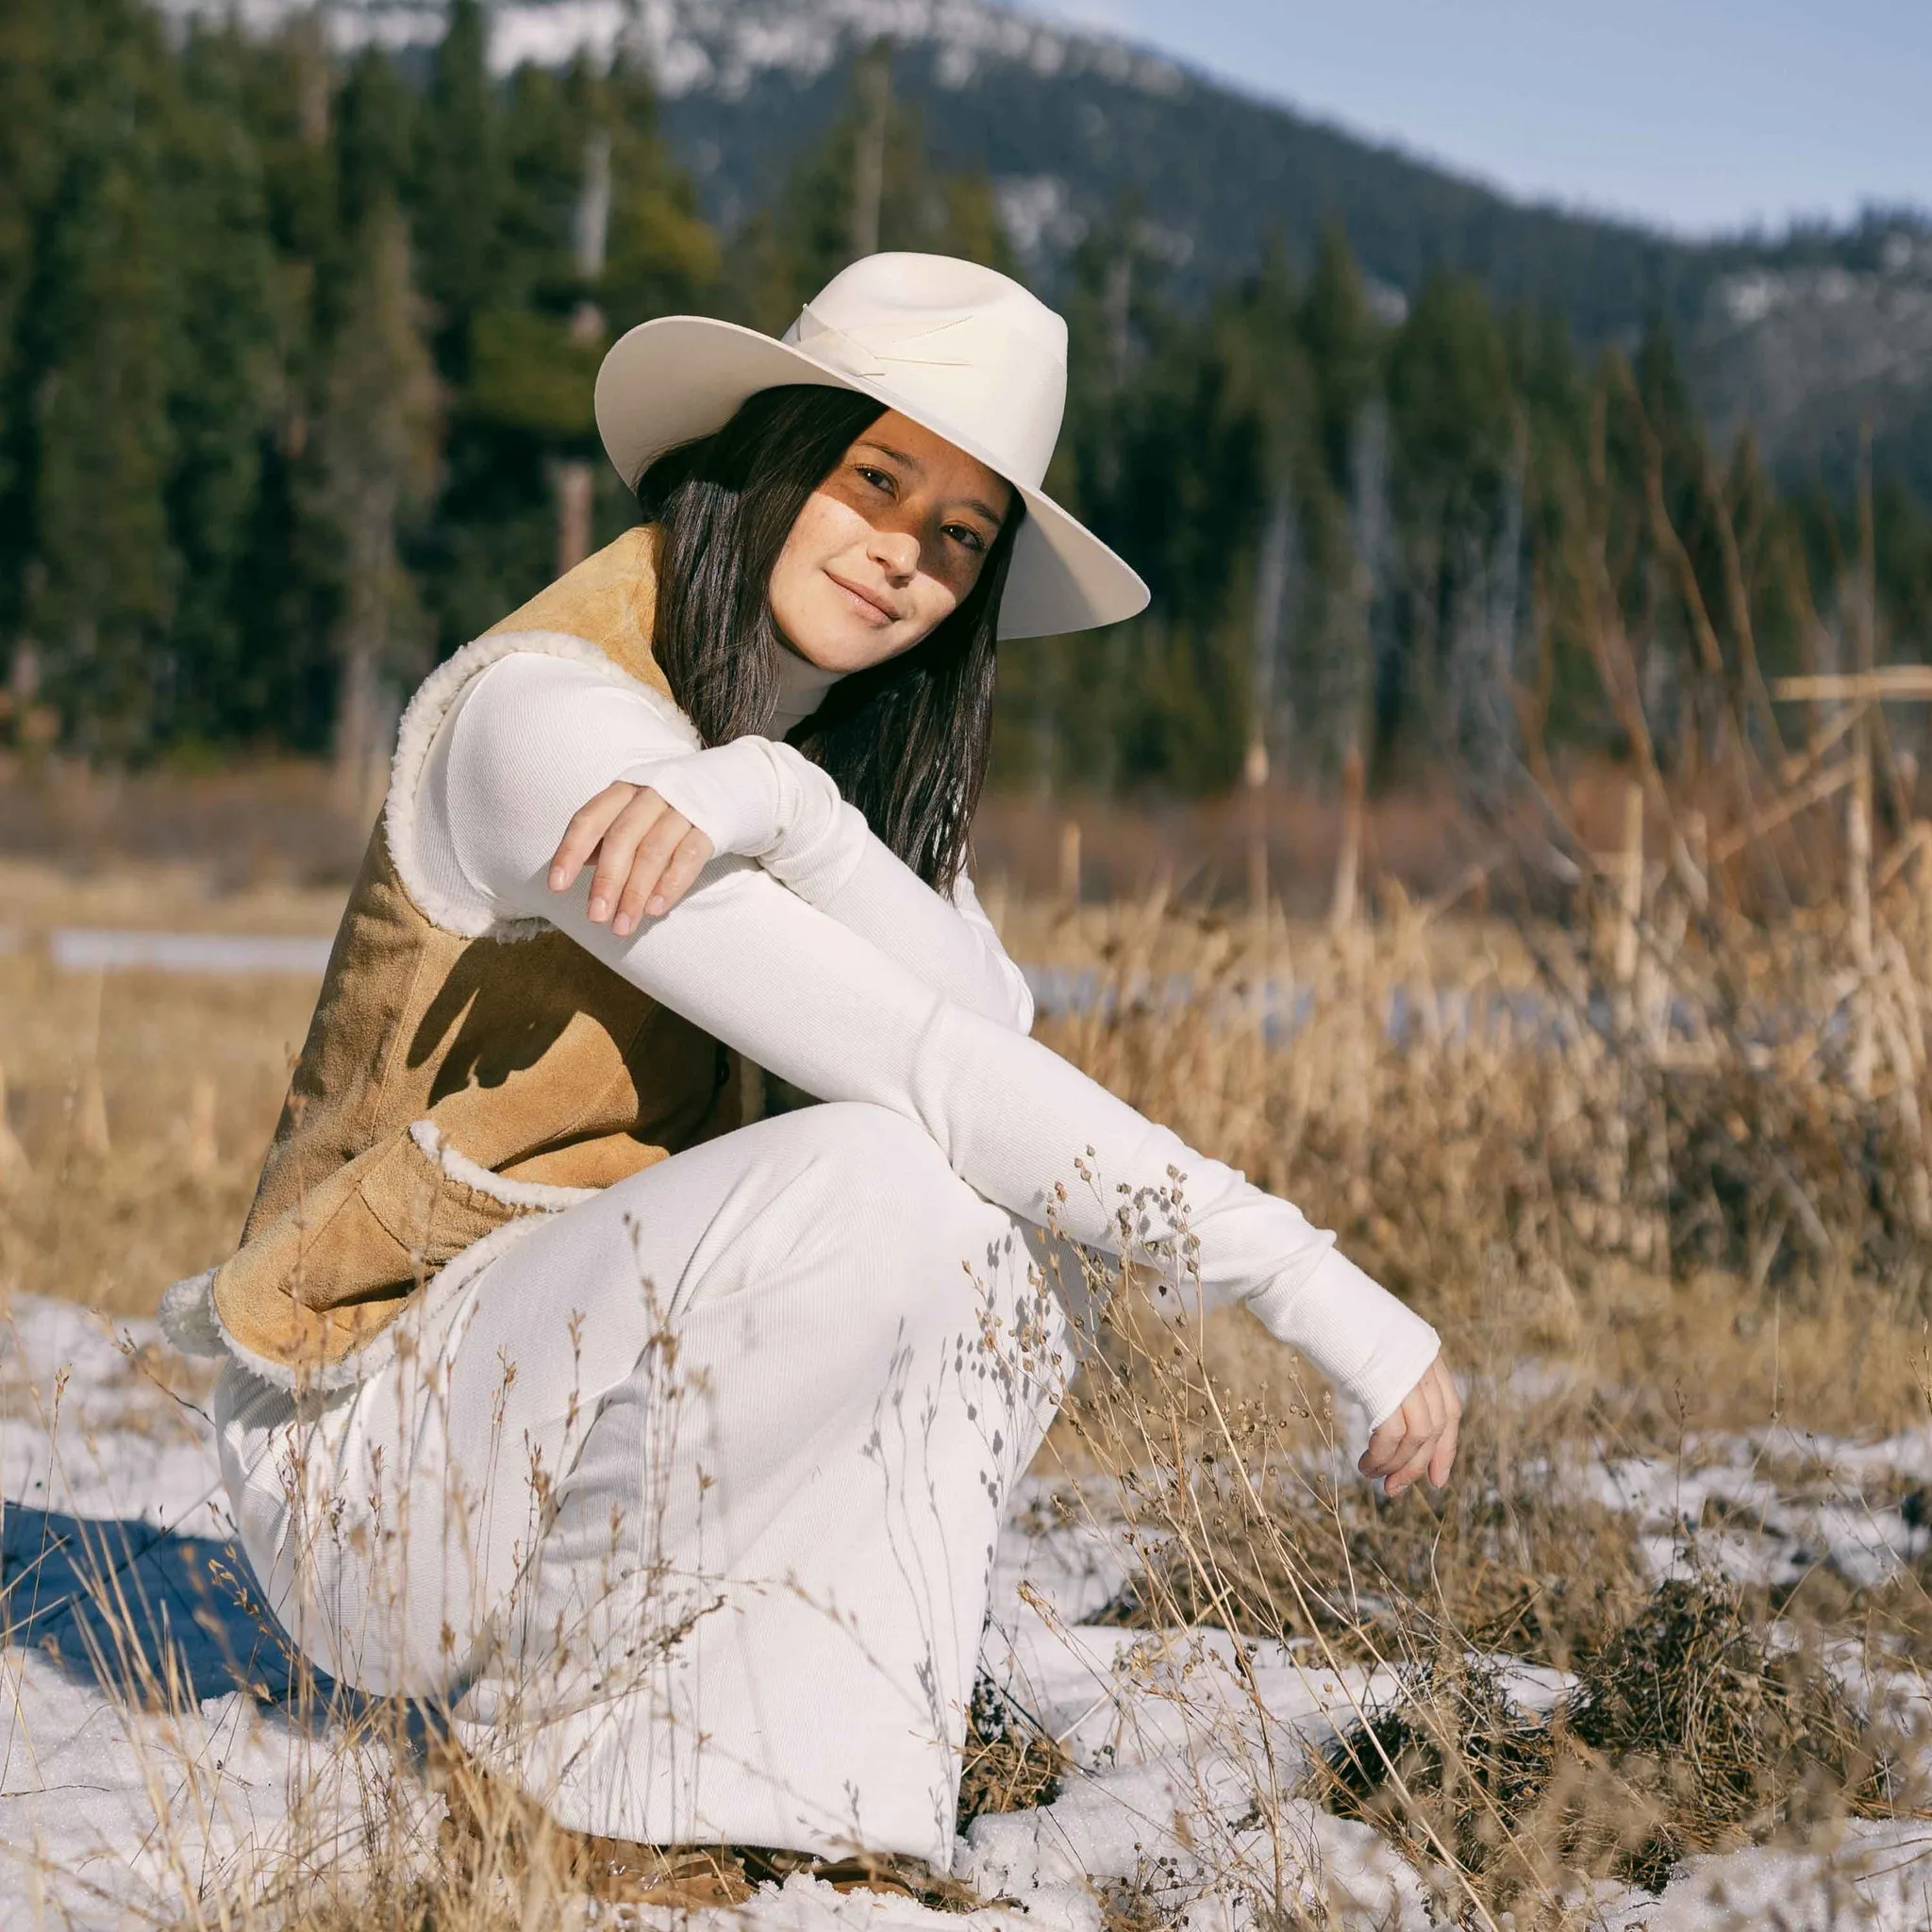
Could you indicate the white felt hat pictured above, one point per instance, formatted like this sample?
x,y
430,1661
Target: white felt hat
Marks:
x,y
963,350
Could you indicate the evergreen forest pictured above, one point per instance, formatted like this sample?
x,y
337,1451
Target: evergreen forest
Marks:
x,y
296,356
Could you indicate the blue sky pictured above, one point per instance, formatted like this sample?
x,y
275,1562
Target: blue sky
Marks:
x,y
1698,115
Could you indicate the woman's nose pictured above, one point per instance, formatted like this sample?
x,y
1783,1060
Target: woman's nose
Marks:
x,y
896,552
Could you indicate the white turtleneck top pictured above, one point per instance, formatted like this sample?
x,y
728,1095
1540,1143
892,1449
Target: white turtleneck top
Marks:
x,y
810,948
801,687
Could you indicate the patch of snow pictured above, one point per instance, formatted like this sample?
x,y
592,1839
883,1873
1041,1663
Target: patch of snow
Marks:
x,y
1185,1746
1748,298
719,46
554,35
1720,1504
1387,302
1039,215
1876,1878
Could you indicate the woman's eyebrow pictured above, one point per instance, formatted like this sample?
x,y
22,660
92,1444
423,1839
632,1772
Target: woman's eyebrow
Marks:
x,y
899,455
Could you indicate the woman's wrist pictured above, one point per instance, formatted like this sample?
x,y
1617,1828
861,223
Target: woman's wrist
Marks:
x,y
757,799
1372,1348
731,794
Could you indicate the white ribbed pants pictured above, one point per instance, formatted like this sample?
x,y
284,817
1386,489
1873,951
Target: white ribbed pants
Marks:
x,y
685,1499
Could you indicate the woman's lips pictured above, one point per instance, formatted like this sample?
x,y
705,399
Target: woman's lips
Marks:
x,y
870,607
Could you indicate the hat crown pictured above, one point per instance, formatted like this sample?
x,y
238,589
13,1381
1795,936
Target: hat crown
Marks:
x,y
965,349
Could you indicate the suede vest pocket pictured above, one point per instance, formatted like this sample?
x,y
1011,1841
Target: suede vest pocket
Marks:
x,y
337,1268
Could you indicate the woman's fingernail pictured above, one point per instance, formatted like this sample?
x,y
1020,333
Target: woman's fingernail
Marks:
x,y
558,878
654,905
599,908
622,924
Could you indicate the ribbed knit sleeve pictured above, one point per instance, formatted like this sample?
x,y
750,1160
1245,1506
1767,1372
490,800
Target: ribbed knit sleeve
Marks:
x,y
755,799
826,1009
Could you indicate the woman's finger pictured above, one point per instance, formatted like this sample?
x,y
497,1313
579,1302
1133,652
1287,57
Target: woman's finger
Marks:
x,y
1388,1445
1413,1465
1378,1455
617,851
1429,1394
587,828
1443,1457
647,867
694,851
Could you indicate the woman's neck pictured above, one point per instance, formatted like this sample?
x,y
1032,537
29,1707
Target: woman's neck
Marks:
x,y
802,685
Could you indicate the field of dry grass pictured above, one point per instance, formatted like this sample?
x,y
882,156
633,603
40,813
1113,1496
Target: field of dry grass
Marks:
x,y
1657,1170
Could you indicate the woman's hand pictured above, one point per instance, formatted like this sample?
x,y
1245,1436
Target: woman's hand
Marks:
x,y
647,856
1420,1437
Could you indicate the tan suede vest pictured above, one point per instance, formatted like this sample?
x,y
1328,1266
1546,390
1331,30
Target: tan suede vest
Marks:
x,y
451,1081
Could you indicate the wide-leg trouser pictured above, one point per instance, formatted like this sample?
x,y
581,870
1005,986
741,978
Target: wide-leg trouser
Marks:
x,y
685,1499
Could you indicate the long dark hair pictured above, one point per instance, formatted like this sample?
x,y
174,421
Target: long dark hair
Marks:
x,y
906,741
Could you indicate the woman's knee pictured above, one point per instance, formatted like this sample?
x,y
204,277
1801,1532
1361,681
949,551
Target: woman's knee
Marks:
x,y
875,1141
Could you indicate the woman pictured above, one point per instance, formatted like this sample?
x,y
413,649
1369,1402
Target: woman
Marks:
x,y
667,1445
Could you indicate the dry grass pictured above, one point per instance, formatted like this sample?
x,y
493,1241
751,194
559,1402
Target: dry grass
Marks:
x,y
1647,1201
138,1104
1685,1733
1657,1202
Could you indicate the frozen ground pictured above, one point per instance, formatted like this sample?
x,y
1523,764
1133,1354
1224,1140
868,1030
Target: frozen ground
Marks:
x,y
114,1812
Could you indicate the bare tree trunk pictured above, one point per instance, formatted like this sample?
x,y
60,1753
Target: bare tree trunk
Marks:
x,y
590,220
869,161
366,705
574,482
1273,566
574,478
379,463
1355,652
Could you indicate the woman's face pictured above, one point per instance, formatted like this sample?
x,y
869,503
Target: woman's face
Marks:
x,y
885,546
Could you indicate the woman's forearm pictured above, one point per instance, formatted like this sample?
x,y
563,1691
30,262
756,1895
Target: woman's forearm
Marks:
x,y
757,799
823,1008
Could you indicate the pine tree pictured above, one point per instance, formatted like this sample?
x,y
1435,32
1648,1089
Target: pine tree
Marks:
x,y
1459,485
376,453
95,443
661,256
35,59
374,134
458,187
865,186
226,381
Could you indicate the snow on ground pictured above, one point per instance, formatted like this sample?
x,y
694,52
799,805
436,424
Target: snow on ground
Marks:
x,y
156,1753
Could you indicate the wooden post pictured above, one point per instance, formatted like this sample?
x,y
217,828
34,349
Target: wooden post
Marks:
x,y
1254,778
1922,838
1858,901
1348,856
1070,860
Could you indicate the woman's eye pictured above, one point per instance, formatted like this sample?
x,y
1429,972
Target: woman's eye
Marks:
x,y
879,479
966,534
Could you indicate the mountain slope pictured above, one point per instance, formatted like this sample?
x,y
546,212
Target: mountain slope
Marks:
x,y
1069,125
1804,341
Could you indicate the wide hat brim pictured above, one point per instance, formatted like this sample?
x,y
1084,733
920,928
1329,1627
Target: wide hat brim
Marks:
x,y
682,377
